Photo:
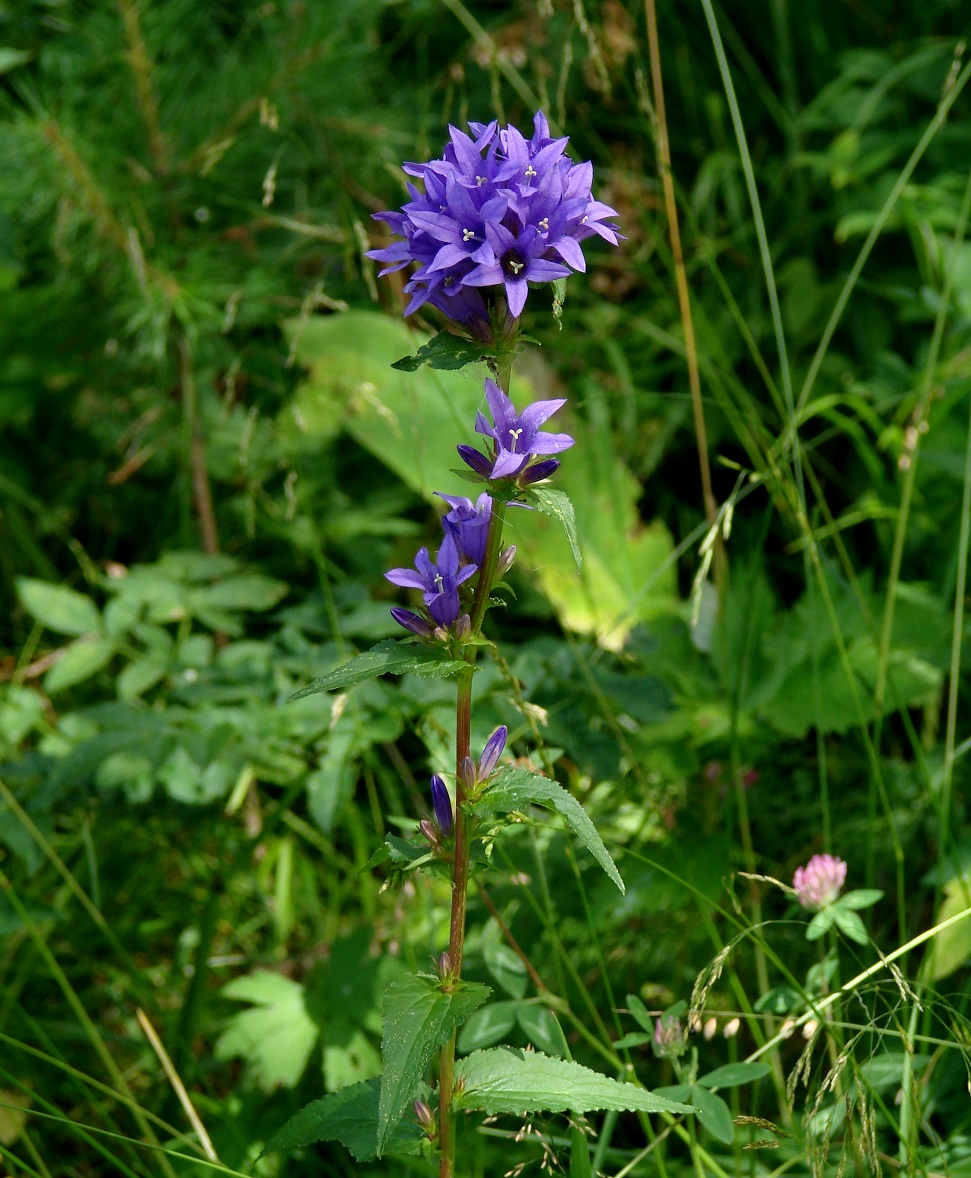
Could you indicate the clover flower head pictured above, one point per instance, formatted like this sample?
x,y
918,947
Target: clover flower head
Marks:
x,y
498,212
819,883
517,438
438,581
670,1040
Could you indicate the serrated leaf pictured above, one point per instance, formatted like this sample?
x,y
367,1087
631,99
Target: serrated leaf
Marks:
x,y
514,789
713,1113
507,1080
389,657
276,1035
733,1074
349,1116
80,661
487,1026
63,610
444,351
419,1017
557,505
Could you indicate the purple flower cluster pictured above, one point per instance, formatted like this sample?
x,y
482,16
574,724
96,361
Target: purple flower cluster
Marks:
x,y
498,211
820,882
516,442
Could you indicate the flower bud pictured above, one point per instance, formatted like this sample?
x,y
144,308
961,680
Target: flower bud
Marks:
x,y
424,1115
670,1041
411,621
442,804
492,752
444,965
476,459
469,774
539,471
730,1029
429,831
463,627
504,563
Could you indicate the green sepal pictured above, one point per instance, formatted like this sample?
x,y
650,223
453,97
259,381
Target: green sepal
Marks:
x,y
447,352
392,656
513,789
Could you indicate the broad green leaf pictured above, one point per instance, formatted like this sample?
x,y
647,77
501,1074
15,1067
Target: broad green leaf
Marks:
x,y
349,1116
515,789
821,923
951,947
141,675
639,1011
275,1036
487,1026
849,924
713,1113
250,591
541,1027
60,609
507,1080
388,657
556,504
11,58
419,1017
80,661
506,968
861,898
733,1074
444,351
634,1039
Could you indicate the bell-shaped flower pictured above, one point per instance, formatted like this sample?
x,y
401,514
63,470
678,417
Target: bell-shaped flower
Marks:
x,y
468,524
516,436
438,581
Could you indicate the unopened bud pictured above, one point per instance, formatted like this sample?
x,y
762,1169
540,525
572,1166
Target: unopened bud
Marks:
x,y
424,1115
810,1029
442,804
506,557
444,965
730,1030
787,1028
463,627
710,1027
492,752
670,1041
429,830
470,775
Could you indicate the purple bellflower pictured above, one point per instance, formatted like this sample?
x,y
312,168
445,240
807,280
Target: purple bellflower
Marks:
x,y
468,524
517,438
498,212
438,581
819,883
442,805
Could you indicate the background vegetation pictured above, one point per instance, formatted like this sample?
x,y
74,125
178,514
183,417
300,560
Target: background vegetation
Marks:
x,y
206,464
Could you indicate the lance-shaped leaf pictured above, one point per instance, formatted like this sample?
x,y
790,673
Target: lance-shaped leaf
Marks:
x,y
509,1080
445,351
557,505
515,789
419,1017
349,1116
388,657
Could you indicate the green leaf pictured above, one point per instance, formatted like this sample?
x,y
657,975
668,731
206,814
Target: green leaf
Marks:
x,y
557,505
821,923
141,675
580,1164
507,1080
506,968
349,1116
276,1036
713,1113
11,58
58,608
634,1039
639,1011
487,1026
733,1074
418,1018
861,898
250,591
392,657
445,351
951,947
80,661
514,789
849,924
542,1028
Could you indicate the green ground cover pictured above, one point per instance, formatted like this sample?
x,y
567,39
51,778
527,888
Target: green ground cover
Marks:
x,y
207,463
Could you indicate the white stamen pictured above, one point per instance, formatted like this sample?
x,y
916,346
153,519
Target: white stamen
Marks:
x,y
515,266
583,220
531,172
480,180
439,583
468,234
545,223
514,434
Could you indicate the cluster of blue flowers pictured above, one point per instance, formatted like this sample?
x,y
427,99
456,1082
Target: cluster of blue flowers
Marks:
x,y
498,211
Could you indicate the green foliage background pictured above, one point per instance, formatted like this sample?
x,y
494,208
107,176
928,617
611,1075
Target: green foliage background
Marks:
x,y
206,464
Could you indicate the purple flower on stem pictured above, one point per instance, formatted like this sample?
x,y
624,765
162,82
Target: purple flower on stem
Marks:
x,y
468,524
516,436
492,752
819,883
498,211
411,621
438,582
670,1041
442,804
